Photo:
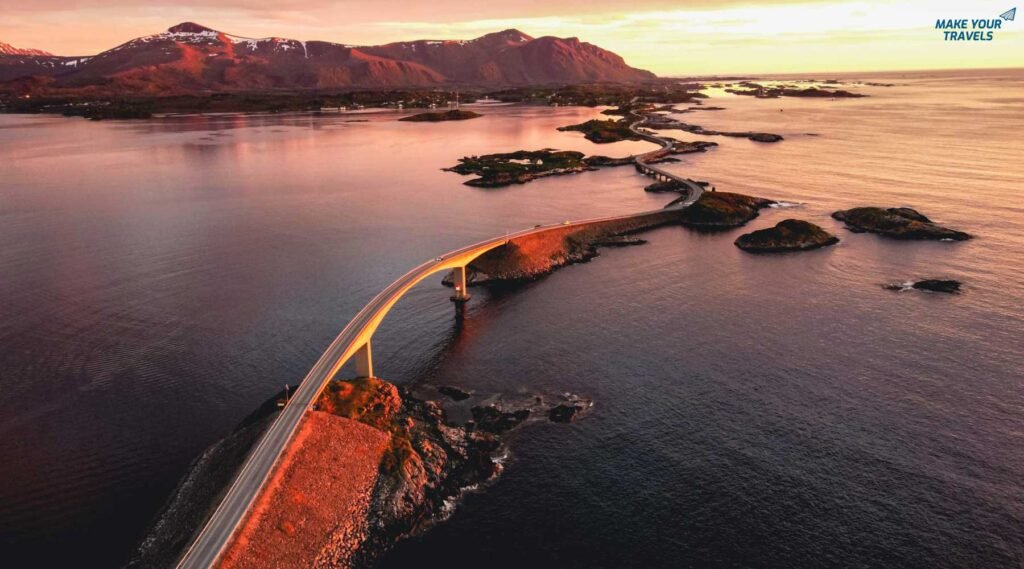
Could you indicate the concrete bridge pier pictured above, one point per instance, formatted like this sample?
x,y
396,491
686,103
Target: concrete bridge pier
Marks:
x,y
461,295
364,361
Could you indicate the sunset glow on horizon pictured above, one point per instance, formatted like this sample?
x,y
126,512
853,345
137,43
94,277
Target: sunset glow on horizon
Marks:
x,y
708,37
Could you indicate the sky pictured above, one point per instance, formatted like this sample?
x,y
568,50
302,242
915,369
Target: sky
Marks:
x,y
678,37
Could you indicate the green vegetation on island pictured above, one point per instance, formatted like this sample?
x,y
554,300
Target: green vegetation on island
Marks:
x,y
659,122
519,167
773,92
603,131
722,209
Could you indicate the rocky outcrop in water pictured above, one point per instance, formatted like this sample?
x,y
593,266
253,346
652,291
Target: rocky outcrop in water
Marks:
x,y
896,222
667,186
721,210
441,116
605,161
454,393
948,286
668,123
938,285
427,463
618,241
494,420
787,235
433,461
762,92
566,412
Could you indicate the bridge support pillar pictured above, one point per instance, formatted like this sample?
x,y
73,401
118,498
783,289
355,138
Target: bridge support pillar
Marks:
x,y
364,361
459,282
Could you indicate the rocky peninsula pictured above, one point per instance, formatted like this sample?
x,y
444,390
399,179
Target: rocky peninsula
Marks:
x,y
897,223
787,235
371,464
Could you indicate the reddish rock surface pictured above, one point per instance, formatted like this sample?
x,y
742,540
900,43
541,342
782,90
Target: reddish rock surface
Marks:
x,y
313,512
538,254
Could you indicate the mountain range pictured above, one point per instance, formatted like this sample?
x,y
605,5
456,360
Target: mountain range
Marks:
x,y
190,58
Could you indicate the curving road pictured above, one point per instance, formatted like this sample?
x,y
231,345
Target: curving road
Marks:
x,y
229,515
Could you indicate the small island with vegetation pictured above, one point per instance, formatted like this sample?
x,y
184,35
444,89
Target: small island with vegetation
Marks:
x,y
787,235
896,222
441,116
752,89
661,122
603,131
522,166
504,169
717,210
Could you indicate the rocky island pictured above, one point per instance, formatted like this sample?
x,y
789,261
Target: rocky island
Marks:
x,y
440,116
660,122
716,210
503,169
603,131
948,286
762,92
896,222
522,166
665,186
787,235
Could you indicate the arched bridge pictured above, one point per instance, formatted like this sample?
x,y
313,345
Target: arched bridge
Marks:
x,y
354,341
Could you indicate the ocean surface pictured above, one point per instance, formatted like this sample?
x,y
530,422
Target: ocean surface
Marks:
x,y
160,279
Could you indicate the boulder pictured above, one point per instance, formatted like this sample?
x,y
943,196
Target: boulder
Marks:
x,y
565,412
454,393
491,419
938,285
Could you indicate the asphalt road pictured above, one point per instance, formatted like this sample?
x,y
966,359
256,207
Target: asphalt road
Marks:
x,y
229,515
